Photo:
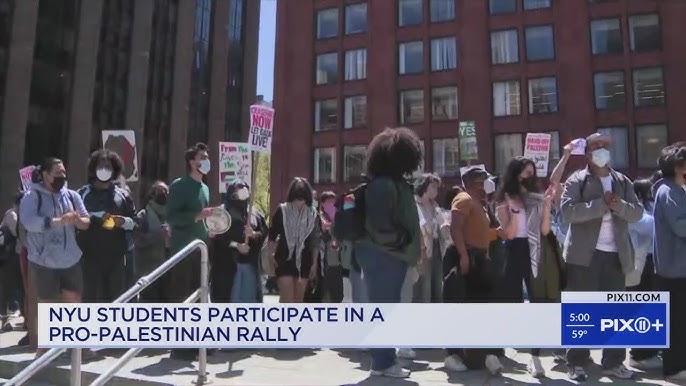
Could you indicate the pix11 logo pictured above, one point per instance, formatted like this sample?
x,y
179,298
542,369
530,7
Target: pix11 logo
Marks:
x,y
640,325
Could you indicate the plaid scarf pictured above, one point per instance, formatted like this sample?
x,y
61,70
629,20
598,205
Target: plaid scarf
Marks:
x,y
297,226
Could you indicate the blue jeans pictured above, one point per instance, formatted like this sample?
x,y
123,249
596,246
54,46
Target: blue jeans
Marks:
x,y
384,275
244,284
358,287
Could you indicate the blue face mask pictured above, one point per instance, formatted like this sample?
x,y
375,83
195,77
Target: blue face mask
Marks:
x,y
601,157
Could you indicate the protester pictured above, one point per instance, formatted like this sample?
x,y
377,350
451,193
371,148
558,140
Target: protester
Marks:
x,y
29,308
354,288
294,240
670,244
10,267
51,214
558,227
599,203
151,241
331,250
314,293
112,214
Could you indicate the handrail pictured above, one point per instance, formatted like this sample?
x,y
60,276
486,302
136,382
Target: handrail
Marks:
x,y
202,294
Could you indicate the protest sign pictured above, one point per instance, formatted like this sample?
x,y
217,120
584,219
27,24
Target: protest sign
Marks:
x,y
123,142
578,146
261,128
25,177
537,148
235,163
468,147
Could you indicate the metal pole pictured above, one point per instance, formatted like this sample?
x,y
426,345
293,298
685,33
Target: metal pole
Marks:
x,y
34,367
76,360
204,298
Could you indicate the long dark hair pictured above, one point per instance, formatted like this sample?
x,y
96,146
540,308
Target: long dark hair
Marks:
x,y
300,189
644,191
509,184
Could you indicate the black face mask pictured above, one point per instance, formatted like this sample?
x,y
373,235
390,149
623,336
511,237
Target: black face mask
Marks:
x,y
58,183
160,199
529,184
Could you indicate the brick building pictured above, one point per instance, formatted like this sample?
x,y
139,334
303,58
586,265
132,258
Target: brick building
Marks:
x,y
174,71
345,69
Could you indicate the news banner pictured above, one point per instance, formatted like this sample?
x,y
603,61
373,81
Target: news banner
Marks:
x,y
582,319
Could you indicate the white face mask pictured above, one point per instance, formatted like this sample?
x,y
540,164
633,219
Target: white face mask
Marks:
x,y
601,157
489,186
103,174
204,166
242,194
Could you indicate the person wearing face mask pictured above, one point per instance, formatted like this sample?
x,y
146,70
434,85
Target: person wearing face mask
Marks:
x,y
151,241
598,203
105,243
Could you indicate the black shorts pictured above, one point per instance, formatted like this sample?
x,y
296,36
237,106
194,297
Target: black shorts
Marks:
x,y
50,282
288,268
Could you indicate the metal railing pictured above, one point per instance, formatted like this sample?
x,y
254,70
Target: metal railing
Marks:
x,y
201,294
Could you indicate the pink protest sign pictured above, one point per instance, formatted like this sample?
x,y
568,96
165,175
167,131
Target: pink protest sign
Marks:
x,y
261,128
25,176
538,149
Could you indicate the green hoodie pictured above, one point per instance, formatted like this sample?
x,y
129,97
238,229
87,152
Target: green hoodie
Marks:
x,y
187,198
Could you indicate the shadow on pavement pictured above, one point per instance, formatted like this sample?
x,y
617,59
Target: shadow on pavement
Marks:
x,y
287,355
165,367
379,381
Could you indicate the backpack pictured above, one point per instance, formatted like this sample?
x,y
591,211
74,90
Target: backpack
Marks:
x,y
40,201
349,223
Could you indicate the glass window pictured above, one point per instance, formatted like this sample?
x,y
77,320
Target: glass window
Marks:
x,y
543,95
355,112
447,157
356,18
650,140
606,37
443,54
444,103
644,33
540,43
324,166
498,7
609,90
506,98
536,4
411,106
507,147
327,23
411,60
325,115
649,87
409,12
353,162
356,64
620,146
327,68
442,10
504,47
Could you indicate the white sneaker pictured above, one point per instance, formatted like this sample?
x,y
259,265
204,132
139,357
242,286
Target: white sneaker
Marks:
x,y
678,377
536,367
619,372
395,371
406,353
454,363
647,364
493,365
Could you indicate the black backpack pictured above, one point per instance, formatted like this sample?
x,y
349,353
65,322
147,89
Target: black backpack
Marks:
x,y
349,223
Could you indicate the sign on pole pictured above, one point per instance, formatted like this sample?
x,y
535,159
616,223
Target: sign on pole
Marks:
x,y
261,128
538,149
468,147
123,142
235,163
25,177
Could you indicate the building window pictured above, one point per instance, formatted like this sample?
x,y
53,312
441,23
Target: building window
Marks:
x,y
411,106
199,101
606,37
442,10
235,113
506,98
353,162
327,68
649,87
355,112
650,140
540,43
543,95
536,4
327,23
447,157
443,103
504,47
609,90
325,166
644,33
620,146
420,169
326,115
356,64
409,12
554,157
507,147
443,54
356,18
411,58
498,7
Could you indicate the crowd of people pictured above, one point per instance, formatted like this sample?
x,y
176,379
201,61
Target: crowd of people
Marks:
x,y
494,239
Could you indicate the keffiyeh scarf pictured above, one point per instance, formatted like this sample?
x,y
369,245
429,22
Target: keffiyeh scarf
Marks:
x,y
297,226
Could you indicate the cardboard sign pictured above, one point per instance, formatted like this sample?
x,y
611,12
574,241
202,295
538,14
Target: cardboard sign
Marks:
x,y
537,148
468,147
261,128
123,142
25,177
235,163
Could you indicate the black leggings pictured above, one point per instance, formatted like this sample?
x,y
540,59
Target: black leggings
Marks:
x,y
648,283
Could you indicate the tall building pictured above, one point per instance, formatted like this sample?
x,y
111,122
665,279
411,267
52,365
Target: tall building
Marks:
x,y
345,69
174,71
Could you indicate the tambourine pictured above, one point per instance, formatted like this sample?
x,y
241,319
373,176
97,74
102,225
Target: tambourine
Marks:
x,y
219,222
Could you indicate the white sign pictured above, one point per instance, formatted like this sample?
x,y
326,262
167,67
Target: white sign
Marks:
x,y
538,149
261,128
578,146
235,163
123,142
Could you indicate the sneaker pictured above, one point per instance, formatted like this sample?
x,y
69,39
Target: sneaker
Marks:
x,y
577,373
678,377
619,372
536,367
493,365
395,371
646,364
454,363
406,353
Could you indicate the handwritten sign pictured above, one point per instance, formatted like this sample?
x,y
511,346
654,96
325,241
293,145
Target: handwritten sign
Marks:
x,y
261,128
25,177
468,147
235,163
538,149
